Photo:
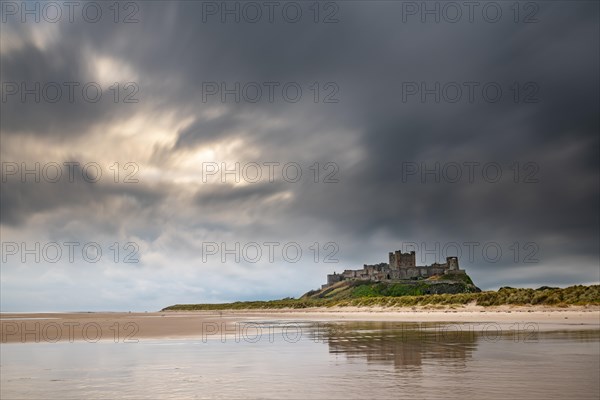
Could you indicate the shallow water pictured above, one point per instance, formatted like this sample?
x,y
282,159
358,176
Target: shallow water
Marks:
x,y
359,360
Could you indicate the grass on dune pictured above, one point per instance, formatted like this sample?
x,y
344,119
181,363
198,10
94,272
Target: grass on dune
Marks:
x,y
365,296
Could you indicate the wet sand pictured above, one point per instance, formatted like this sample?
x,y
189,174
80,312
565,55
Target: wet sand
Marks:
x,y
131,327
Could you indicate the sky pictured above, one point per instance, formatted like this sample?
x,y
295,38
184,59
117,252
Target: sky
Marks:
x,y
160,152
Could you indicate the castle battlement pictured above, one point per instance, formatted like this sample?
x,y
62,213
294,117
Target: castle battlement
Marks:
x,y
401,266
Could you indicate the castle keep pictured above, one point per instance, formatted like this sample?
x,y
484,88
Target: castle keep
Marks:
x,y
401,266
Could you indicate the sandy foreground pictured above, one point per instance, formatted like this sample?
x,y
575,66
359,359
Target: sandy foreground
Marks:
x,y
134,327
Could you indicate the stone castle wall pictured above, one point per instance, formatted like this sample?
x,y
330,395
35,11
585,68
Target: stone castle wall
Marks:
x,y
401,266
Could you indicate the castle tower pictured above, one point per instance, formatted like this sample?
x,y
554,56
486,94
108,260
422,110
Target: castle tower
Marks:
x,y
452,263
392,259
399,259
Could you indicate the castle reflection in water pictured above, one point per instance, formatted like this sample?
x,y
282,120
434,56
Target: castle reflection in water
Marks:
x,y
404,345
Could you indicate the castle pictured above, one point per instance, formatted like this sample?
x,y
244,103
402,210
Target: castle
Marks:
x,y
401,266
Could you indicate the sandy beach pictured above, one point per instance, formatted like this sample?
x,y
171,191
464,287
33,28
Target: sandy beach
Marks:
x,y
132,327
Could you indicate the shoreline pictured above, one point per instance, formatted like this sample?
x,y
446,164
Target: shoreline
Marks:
x,y
125,327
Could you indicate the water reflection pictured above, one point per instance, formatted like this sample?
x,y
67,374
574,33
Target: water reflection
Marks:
x,y
410,345
404,345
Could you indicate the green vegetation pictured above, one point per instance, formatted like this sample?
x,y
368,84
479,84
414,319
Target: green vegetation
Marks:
x,y
459,283
381,289
464,278
397,295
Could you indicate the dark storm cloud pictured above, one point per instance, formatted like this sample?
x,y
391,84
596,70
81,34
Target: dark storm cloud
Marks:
x,y
559,134
24,196
56,77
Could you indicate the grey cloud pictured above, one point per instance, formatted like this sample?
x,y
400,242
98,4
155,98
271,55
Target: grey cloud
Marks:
x,y
22,199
